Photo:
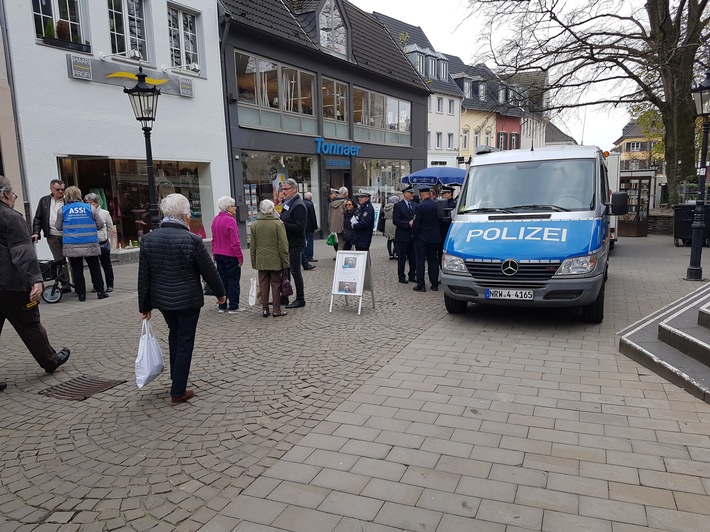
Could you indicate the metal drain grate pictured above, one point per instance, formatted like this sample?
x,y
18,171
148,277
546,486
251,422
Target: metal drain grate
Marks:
x,y
80,388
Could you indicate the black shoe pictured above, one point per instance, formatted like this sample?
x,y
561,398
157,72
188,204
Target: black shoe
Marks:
x,y
312,260
309,267
58,359
392,257
102,295
297,303
109,289
419,289
412,280
403,281
3,385
93,290
284,301
435,287
82,297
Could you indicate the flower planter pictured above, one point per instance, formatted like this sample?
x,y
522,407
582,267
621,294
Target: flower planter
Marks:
x,y
68,45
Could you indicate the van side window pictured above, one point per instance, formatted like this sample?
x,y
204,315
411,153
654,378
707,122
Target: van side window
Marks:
x,y
604,181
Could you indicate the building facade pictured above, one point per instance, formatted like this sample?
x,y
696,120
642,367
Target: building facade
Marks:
x,y
65,71
320,92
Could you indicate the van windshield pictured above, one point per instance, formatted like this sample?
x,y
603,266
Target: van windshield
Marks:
x,y
554,185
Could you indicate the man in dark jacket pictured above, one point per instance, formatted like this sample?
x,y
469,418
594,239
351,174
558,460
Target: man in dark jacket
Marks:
x,y
171,262
402,218
43,222
363,222
427,239
21,283
294,215
311,225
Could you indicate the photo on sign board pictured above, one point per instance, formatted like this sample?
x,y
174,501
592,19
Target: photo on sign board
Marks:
x,y
350,262
347,287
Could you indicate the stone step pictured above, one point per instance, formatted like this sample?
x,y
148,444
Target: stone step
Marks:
x,y
664,341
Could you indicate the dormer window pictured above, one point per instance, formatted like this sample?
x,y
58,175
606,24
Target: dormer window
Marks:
x,y
443,70
421,68
468,88
430,66
502,95
333,33
482,92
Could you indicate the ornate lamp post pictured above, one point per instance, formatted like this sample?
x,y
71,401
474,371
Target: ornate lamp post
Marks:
x,y
144,100
701,95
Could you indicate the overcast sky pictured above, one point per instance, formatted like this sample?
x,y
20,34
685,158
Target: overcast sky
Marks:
x,y
439,21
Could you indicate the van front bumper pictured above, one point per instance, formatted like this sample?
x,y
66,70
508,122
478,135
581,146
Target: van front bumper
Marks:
x,y
557,292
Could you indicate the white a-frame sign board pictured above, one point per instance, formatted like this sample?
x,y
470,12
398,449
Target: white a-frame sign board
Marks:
x,y
352,276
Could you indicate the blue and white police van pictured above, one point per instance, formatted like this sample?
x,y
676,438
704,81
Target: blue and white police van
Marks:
x,y
531,228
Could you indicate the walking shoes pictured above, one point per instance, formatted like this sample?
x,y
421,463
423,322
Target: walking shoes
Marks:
x,y
189,394
57,359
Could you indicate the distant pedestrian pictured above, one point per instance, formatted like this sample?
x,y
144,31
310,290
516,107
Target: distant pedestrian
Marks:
x,y
427,239
402,218
336,215
79,244
171,262
363,222
390,229
21,284
227,251
311,226
294,215
268,247
104,236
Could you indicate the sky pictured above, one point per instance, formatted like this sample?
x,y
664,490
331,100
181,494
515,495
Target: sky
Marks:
x,y
442,22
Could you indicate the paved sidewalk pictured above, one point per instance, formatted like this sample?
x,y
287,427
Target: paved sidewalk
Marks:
x,y
403,418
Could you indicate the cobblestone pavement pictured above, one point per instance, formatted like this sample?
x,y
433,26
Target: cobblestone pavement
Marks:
x,y
403,418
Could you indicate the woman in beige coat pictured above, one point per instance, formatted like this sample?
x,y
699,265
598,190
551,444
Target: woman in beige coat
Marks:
x,y
268,247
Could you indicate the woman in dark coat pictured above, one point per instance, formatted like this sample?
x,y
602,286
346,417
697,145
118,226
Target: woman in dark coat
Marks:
x,y
171,262
350,211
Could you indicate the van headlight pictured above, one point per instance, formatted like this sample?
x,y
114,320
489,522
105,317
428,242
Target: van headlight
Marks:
x,y
453,264
578,265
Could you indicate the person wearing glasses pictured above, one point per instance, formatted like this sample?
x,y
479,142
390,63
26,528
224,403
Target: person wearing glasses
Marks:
x,y
294,215
227,252
43,222
21,284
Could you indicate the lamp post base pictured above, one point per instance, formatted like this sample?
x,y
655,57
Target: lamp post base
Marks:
x,y
694,274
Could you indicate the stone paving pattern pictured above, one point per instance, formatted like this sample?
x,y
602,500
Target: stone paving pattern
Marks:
x,y
403,418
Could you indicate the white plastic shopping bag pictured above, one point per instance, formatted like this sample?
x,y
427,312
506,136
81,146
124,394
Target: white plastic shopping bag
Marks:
x,y
252,292
149,362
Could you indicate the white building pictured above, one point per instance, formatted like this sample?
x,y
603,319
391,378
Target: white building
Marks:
x,y
66,64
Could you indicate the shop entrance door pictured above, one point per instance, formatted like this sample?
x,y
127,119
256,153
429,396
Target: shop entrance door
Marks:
x,y
340,178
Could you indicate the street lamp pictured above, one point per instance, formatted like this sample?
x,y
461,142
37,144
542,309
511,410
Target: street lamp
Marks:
x,y
144,100
701,95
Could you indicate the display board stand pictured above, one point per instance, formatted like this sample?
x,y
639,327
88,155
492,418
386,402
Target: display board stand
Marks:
x,y
352,276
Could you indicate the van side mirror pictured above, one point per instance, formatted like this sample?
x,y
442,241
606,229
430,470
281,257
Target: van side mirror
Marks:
x,y
619,203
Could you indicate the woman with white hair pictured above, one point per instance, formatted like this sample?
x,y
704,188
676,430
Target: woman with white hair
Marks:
x,y
104,235
170,264
227,252
269,255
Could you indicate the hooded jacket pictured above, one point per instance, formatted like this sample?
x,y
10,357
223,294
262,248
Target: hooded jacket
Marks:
x,y
336,212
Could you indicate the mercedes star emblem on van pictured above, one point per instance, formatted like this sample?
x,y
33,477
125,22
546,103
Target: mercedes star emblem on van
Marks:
x,y
552,234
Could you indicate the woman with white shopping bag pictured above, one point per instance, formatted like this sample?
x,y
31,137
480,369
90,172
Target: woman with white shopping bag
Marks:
x,y
171,262
149,362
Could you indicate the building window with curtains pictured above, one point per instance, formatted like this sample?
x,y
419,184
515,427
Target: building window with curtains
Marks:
x,y
464,139
502,141
182,35
381,119
127,26
333,33
60,19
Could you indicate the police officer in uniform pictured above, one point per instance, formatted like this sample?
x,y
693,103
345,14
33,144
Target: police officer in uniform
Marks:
x,y
427,238
402,216
363,222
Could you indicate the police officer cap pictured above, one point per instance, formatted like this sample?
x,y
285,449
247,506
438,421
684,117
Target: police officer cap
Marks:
x,y
362,192
424,188
447,189
410,188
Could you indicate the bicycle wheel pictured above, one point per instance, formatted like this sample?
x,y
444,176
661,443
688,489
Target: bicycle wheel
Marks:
x,y
52,294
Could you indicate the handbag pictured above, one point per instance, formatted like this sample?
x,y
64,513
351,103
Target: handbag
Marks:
x,y
149,361
286,288
252,291
332,239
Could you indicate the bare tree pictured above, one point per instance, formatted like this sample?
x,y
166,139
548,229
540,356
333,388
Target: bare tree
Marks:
x,y
608,52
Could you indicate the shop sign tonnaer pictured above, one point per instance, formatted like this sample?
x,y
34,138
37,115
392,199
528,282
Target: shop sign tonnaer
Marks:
x,y
336,148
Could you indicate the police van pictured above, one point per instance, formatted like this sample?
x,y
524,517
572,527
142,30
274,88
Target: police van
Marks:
x,y
531,228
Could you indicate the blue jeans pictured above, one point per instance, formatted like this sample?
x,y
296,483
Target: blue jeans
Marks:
x,y
182,326
308,251
231,273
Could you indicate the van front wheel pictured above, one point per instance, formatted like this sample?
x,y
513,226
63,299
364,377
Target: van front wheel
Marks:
x,y
454,306
594,313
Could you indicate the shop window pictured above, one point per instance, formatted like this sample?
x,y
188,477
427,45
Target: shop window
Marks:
x,y
182,36
127,26
59,23
383,177
373,112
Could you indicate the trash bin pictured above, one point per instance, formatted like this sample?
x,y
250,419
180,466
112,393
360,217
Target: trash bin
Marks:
x,y
683,224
